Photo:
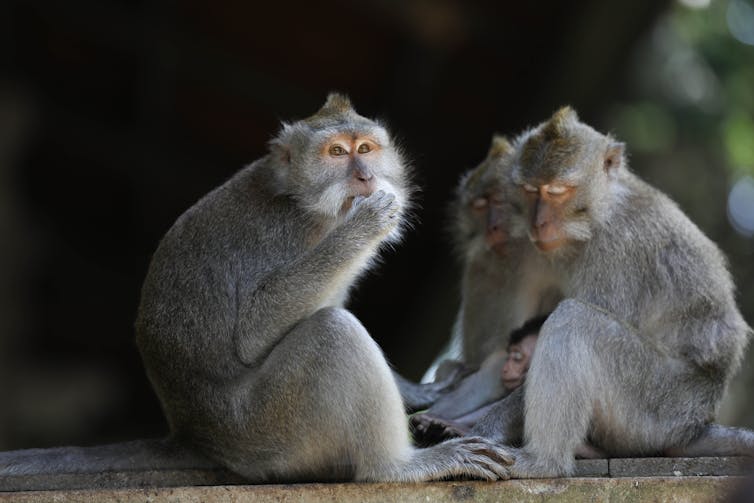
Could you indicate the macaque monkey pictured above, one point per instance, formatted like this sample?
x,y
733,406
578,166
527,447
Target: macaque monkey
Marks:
x,y
504,282
241,324
242,328
635,360
495,298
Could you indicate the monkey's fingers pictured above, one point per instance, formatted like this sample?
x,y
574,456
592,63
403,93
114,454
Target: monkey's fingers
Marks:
x,y
449,431
486,468
480,456
480,445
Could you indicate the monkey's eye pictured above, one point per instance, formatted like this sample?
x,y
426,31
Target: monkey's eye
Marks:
x,y
337,150
556,190
479,203
516,356
529,188
364,148
496,199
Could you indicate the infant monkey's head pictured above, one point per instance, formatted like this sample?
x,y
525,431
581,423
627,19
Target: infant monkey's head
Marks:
x,y
520,351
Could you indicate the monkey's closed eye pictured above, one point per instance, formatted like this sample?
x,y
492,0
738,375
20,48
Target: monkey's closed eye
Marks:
x,y
337,150
556,190
364,148
479,203
529,188
516,356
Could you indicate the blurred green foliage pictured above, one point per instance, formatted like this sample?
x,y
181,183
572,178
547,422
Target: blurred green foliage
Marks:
x,y
688,120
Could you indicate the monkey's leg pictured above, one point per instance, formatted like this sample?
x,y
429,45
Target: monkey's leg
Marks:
x,y
503,422
419,396
428,429
717,440
478,389
295,290
324,406
593,376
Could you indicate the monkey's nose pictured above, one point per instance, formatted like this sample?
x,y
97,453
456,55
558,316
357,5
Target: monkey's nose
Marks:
x,y
365,185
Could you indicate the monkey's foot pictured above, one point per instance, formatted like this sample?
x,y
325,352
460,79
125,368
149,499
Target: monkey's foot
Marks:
x,y
468,457
528,466
588,451
430,430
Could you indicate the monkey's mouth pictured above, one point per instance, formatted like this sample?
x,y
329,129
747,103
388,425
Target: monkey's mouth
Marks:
x,y
549,244
511,384
496,240
347,204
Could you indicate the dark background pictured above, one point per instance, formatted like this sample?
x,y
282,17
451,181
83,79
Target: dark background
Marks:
x,y
116,116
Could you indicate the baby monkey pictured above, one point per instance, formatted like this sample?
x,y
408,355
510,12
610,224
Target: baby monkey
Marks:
x,y
450,416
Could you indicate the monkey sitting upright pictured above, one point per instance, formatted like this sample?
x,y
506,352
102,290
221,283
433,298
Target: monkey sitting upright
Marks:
x,y
504,282
241,325
244,337
637,357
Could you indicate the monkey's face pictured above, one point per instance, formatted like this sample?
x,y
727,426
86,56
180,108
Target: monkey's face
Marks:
x,y
565,176
334,156
488,214
517,363
340,165
548,206
482,212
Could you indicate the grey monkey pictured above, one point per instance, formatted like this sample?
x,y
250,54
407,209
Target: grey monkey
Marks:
x,y
504,282
242,329
635,360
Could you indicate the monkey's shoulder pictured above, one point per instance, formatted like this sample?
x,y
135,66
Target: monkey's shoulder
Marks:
x,y
651,247
242,218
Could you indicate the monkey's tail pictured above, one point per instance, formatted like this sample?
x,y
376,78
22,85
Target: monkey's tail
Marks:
x,y
127,464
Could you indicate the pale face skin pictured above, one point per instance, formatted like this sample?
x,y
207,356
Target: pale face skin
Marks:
x,y
517,362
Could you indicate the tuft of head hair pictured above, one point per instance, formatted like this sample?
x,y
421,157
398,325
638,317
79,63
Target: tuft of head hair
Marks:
x,y
557,126
335,104
551,145
500,147
337,107
530,327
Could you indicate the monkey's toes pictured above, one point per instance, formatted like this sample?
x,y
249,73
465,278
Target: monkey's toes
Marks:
x,y
480,445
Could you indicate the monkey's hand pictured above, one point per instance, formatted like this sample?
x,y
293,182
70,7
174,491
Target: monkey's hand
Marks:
x,y
430,430
375,215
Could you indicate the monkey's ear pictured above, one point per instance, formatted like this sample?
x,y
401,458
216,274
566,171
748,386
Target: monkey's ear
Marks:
x,y
336,104
280,145
500,146
614,156
558,124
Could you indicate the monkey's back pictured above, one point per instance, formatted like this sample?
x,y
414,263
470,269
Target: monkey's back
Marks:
x,y
658,271
188,314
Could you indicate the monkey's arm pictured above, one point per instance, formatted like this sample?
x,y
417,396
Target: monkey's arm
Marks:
x,y
504,422
717,440
418,396
474,391
707,342
314,280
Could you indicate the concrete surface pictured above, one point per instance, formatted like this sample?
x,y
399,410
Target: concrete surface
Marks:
x,y
673,489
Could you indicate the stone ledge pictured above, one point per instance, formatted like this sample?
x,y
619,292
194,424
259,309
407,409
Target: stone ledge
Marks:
x,y
672,489
627,479
129,476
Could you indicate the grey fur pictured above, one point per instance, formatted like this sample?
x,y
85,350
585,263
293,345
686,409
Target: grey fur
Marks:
x,y
242,331
500,291
637,357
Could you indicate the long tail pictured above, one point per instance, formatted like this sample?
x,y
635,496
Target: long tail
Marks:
x,y
151,462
